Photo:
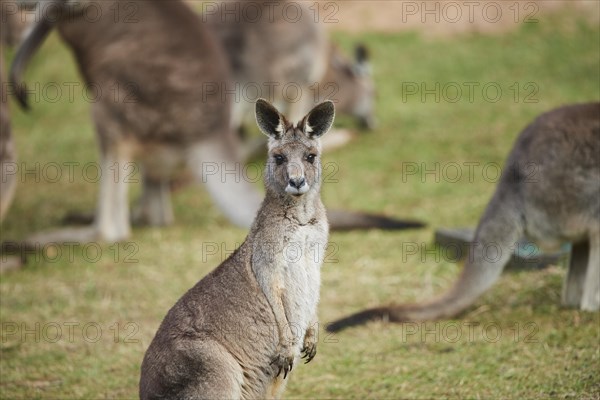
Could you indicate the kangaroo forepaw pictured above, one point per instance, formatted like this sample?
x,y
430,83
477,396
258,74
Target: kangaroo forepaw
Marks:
x,y
283,363
309,351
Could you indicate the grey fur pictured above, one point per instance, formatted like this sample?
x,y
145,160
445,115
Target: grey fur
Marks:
x,y
550,191
238,332
270,49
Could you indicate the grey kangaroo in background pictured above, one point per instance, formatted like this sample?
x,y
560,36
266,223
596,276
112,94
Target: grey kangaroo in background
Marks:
x,y
550,191
270,51
280,50
239,331
159,56
267,49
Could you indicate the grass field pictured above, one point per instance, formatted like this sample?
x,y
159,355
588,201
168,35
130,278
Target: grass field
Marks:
x,y
74,326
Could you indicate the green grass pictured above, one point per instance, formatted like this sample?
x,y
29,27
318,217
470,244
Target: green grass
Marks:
x,y
545,350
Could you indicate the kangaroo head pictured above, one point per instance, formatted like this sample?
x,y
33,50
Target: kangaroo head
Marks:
x,y
294,165
354,84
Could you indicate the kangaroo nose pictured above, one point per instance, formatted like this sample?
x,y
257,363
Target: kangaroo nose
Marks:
x,y
297,182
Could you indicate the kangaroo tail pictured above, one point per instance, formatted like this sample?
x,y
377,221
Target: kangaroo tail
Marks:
x,y
340,220
362,317
499,229
28,48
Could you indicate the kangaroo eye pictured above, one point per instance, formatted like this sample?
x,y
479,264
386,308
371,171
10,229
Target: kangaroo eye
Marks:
x,y
279,159
311,158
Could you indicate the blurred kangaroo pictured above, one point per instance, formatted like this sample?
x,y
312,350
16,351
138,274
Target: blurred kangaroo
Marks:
x,y
269,49
160,57
265,47
550,191
159,112
237,333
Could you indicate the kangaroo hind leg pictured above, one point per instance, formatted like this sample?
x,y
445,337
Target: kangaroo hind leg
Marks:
x,y
154,207
112,215
590,300
575,279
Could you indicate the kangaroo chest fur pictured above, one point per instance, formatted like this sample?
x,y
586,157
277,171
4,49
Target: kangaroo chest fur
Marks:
x,y
286,261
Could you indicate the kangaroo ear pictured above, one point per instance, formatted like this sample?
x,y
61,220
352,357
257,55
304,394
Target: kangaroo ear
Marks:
x,y
269,120
319,120
361,53
362,65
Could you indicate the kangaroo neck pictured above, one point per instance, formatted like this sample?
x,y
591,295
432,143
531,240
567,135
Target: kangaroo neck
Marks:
x,y
282,209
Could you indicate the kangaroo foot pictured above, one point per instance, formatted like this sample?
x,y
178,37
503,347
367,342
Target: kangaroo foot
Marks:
x,y
283,362
309,351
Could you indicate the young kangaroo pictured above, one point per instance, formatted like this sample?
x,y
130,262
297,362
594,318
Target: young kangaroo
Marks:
x,y
549,190
155,64
239,331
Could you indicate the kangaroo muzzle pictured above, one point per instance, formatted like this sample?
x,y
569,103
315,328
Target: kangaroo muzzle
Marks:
x,y
297,184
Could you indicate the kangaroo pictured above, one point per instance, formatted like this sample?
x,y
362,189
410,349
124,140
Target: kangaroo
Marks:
x,y
272,51
549,190
160,113
164,63
269,286
268,50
